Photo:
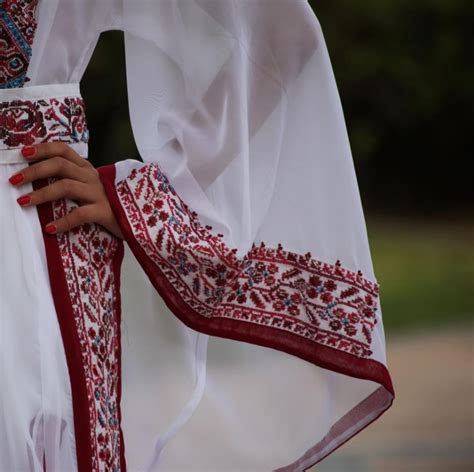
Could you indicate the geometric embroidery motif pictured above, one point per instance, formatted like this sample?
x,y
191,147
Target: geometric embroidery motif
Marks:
x,y
324,303
27,122
87,253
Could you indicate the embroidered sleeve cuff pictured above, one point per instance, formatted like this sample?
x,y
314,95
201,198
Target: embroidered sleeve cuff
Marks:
x,y
320,312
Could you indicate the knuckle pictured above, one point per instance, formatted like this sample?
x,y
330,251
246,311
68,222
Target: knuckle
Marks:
x,y
47,149
58,163
34,171
49,192
62,148
39,196
69,185
29,173
66,222
54,149
64,185
80,216
81,213
92,174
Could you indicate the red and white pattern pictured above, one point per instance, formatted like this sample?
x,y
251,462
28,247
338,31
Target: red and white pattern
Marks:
x,y
27,122
17,30
324,303
87,254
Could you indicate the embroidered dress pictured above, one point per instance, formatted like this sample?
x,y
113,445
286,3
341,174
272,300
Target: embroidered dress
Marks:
x,y
243,330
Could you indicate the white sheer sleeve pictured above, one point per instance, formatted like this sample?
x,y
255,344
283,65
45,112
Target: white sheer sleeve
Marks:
x,y
66,36
247,220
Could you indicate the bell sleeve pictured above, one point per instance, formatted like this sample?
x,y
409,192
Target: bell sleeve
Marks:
x,y
245,216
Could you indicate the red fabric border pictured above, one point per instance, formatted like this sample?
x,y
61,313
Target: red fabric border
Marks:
x,y
323,356
377,398
72,347
117,264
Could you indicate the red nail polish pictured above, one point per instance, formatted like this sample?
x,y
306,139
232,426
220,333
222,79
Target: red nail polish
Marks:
x,y
28,151
24,200
50,228
16,179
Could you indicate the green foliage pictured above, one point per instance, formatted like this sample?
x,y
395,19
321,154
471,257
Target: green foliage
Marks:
x,y
405,74
426,272
105,92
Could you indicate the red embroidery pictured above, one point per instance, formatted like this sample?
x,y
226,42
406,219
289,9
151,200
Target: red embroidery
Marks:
x,y
17,29
87,253
322,302
25,122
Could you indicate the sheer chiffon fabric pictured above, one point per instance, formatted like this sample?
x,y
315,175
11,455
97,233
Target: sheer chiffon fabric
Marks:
x,y
236,101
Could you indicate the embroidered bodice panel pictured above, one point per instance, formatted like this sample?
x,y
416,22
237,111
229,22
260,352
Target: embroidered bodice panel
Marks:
x,y
50,42
17,29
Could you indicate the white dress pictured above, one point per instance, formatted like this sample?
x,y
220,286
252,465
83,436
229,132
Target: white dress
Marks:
x,y
264,346
36,415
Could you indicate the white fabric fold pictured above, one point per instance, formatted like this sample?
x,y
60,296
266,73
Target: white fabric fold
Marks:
x,y
36,418
236,101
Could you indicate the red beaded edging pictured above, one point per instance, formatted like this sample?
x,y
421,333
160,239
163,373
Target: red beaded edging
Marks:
x,y
153,252
324,303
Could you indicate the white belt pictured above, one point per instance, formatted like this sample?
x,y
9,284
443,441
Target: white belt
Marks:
x,y
39,114
13,156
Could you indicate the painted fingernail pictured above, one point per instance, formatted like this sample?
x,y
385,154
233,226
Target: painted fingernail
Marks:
x,y
22,201
16,179
50,228
28,151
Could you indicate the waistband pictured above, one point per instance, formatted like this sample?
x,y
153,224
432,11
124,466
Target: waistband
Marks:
x,y
41,114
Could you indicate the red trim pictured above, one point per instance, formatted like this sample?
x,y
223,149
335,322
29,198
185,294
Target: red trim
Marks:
x,y
117,264
378,401
269,286
323,356
320,355
72,347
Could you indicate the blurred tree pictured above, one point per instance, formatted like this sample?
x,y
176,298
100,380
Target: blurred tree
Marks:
x,y
104,88
405,75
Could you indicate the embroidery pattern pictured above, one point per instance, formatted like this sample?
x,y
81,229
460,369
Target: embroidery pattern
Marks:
x,y
324,303
87,253
17,30
24,122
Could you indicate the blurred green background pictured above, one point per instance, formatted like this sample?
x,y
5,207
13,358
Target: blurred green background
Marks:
x,y
405,75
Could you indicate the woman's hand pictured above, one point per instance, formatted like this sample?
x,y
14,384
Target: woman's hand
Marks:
x,y
78,180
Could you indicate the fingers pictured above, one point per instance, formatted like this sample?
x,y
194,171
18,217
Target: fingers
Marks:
x,y
65,188
79,181
77,217
54,167
49,150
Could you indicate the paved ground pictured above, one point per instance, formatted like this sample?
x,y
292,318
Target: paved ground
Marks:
x,y
430,427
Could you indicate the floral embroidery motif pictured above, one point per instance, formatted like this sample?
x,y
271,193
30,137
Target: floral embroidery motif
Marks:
x,y
87,253
24,122
322,302
17,29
